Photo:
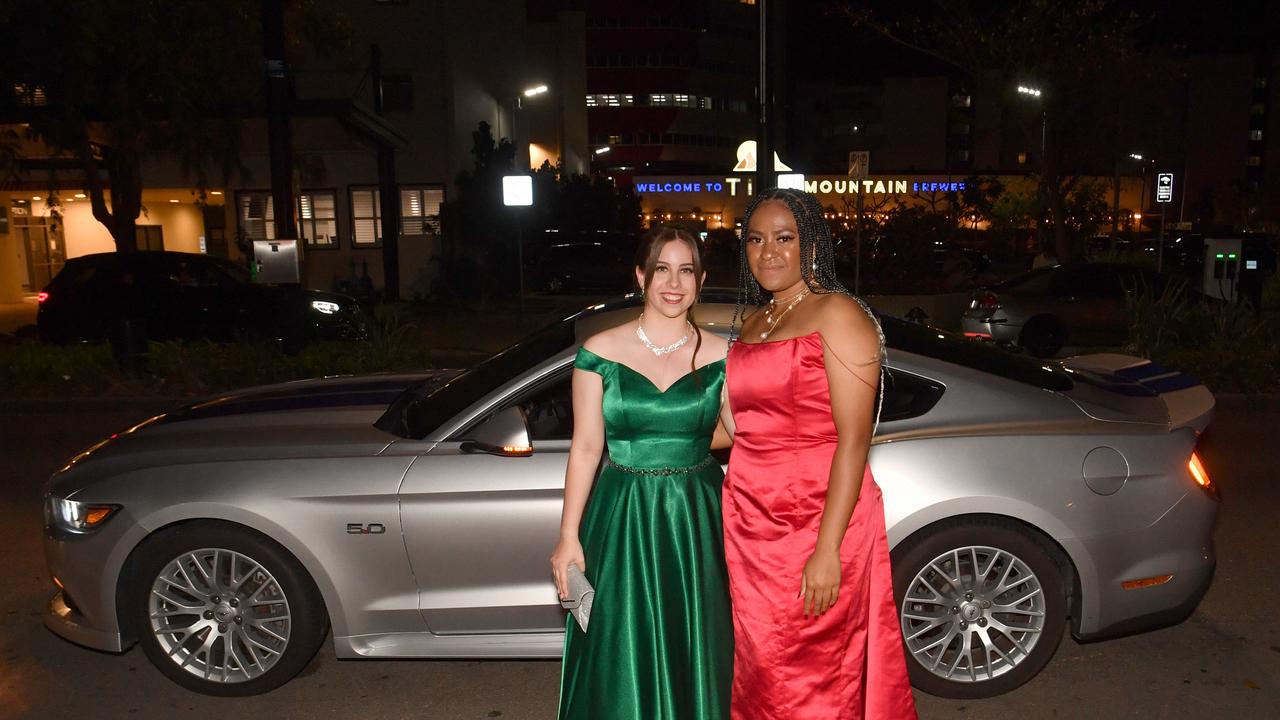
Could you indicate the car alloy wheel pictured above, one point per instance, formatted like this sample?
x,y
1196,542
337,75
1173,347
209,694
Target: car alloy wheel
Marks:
x,y
219,615
981,607
223,610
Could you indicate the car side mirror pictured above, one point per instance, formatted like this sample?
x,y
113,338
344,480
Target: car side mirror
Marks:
x,y
505,435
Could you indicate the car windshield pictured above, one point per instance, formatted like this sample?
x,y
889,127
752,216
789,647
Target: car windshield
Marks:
x,y
426,406
1036,281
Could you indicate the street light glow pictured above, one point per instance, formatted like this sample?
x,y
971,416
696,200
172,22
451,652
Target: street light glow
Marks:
x,y
1034,92
538,90
1135,156
603,150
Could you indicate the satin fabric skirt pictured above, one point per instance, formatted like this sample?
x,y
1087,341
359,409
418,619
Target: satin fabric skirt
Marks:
x,y
846,664
660,641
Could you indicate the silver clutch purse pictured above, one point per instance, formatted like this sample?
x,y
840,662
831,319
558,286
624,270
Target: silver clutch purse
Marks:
x,y
581,595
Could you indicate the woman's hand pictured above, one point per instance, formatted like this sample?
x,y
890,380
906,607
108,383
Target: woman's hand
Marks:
x,y
568,552
820,583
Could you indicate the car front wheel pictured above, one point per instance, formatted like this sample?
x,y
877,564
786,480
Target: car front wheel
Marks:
x,y
224,611
981,605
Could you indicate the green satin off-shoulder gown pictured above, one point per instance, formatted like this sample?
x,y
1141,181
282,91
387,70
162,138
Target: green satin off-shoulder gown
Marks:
x,y
660,642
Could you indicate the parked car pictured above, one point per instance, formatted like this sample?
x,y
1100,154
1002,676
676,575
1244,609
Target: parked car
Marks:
x,y
579,266
1047,308
185,296
413,514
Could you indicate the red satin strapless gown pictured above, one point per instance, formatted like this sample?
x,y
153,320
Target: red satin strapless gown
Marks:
x,y
849,662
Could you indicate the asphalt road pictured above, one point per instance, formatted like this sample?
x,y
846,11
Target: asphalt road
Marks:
x,y
1224,662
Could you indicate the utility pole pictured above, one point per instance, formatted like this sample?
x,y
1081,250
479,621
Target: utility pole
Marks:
x,y
388,193
279,132
765,175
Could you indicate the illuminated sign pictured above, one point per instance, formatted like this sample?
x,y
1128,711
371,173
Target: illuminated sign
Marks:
x,y
1164,187
747,159
832,185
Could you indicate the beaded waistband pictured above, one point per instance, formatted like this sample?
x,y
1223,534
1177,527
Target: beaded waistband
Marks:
x,y
663,471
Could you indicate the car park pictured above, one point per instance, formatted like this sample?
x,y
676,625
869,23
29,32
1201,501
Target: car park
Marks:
x,y
412,514
1046,309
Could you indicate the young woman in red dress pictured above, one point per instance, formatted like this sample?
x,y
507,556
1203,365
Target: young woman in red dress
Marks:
x,y
816,631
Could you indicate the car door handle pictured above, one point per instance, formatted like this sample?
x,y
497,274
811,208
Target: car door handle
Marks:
x,y
471,447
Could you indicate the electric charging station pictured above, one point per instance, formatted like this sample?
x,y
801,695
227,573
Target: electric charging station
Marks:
x,y
1222,267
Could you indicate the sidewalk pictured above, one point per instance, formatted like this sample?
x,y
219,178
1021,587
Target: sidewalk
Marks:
x,y
16,315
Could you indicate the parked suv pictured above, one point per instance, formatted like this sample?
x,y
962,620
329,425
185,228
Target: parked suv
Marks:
x,y
184,296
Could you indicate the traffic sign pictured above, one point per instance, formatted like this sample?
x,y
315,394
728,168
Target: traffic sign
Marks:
x,y
1164,187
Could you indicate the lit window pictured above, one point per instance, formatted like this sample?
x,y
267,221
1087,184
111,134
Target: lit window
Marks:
x,y
706,103
420,209
366,218
591,101
1255,134
1022,158
256,215
660,99
961,100
1255,161
614,140
318,218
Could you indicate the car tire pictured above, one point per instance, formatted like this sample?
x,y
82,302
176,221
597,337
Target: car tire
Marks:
x,y
223,610
960,587
1043,336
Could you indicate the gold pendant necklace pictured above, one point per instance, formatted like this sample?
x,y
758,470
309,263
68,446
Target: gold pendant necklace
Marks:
x,y
772,320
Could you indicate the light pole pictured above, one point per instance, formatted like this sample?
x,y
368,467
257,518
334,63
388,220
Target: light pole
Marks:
x,y
1035,93
517,191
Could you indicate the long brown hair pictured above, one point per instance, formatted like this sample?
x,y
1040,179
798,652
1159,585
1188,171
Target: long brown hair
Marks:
x,y
647,261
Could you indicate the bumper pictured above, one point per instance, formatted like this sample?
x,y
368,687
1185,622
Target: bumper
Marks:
x,y
68,624
1180,544
990,329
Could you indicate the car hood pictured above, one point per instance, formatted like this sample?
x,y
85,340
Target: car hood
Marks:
x,y
329,417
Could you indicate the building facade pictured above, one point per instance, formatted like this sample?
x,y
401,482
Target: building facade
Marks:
x,y
446,67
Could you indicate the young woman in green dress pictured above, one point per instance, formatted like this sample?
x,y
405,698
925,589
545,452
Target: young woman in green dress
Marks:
x,y
647,532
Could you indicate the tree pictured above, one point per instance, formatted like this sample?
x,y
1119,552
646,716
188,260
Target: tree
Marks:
x,y
1086,59
107,84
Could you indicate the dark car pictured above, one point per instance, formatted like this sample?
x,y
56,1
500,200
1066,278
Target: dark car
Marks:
x,y
577,266
1043,310
184,296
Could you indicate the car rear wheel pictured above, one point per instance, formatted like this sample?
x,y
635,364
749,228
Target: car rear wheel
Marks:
x,y
222,610
981,605
1043,336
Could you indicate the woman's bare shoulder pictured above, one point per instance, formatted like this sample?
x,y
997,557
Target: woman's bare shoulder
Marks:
x,y
608,343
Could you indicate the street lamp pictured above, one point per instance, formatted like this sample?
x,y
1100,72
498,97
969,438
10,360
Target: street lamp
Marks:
x,y
517,191
1035,93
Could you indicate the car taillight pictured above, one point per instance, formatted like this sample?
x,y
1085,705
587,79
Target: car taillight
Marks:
x,y
42,296
986,302
1200,475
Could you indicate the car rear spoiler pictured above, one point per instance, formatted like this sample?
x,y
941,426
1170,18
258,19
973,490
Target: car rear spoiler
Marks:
x,y
1188,402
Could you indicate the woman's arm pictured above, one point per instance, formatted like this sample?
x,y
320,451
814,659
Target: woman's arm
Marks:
x,y
584,458
851,352
723,437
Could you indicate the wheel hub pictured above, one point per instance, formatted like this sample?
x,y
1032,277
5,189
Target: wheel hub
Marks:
x,y
219,615
973,614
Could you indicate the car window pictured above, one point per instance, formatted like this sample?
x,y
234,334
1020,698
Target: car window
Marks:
x,y
548,410
908,396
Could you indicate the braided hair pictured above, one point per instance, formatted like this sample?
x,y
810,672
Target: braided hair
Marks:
x,y
817,265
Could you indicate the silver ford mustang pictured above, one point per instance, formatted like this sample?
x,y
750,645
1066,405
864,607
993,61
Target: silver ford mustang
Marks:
x,y
413,514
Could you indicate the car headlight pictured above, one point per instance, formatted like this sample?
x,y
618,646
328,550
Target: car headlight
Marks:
x,y
76,517
324,306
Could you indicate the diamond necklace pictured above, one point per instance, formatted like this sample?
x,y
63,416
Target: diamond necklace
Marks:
x,y
773,320
661,350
